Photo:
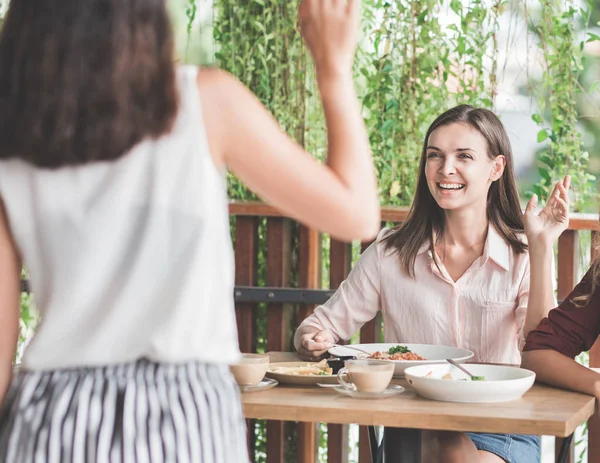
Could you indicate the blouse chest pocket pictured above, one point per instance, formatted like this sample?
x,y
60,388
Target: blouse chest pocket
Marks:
x,y
498,330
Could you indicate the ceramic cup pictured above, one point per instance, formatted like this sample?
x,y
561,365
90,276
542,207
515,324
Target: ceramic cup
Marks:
x,y
250,369
366,375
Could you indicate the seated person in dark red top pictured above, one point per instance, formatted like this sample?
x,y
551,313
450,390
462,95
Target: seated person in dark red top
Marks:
x,y
570,329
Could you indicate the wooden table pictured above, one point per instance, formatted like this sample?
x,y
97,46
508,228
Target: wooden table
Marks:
x,y
543,410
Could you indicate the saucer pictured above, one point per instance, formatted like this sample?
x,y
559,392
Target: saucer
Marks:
x,y
390,391
266,383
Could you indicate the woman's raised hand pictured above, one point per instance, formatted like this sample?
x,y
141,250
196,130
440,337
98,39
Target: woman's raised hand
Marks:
x,y
553,219
330,31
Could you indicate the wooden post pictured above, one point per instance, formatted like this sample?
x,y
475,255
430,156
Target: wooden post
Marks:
x,y
246,247
278,269
370,332
340,261
594,422
567,277
309,264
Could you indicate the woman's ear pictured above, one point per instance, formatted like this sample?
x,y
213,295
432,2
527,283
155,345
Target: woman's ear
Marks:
x,y
499,165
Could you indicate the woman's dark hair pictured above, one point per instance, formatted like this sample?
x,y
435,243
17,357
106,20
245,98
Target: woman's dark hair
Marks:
x,y
84,80
425,221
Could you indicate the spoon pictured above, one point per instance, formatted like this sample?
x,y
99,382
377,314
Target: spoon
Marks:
x,y
348,346
460,367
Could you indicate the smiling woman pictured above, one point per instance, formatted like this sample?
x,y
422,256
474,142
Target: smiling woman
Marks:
x,y
466,161
466,269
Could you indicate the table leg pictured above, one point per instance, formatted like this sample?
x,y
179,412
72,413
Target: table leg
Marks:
x,y
563,455
402,445
376,452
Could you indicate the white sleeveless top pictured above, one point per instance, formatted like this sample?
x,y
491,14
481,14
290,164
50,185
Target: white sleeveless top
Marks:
x,y
130,258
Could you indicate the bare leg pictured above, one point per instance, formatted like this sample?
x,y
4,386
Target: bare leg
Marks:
x,y
487,457
453,447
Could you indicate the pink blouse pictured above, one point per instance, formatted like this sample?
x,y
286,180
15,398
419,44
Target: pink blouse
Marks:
x,y
484,311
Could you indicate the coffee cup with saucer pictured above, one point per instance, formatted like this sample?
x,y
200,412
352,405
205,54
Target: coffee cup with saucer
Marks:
x,y
367,379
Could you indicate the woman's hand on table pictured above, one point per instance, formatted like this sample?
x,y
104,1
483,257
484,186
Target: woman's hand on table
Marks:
x,y
314,345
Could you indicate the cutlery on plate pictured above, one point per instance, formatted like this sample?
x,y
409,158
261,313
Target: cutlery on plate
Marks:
x,y
460,367
347,346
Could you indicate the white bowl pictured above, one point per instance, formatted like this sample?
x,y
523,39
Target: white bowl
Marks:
x,y
434,354
500,384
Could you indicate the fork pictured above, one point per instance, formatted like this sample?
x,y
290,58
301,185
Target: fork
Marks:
x,y
347,346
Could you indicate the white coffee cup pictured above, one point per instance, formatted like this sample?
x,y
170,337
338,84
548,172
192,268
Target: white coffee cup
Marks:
x,y
250,369
366,375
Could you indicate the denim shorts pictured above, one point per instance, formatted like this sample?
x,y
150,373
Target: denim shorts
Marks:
x,y
513,448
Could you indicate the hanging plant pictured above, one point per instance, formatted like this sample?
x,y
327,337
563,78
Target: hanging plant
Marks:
x,y
558,117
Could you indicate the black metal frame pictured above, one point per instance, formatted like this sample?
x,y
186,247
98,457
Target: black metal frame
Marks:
x,y
255,294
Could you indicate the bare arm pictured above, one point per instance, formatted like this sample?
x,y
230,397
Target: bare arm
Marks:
x,y
556,369
570,329
541,288
355,302
339,197
542,232
10,270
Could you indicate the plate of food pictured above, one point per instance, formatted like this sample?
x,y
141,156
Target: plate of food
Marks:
x,y
406,355
302,373
494,383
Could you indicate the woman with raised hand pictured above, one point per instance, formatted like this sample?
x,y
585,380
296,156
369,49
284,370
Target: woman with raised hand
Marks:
x,y
467,268
113,195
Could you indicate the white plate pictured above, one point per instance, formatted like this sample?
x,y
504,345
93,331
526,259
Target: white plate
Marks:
x,y
299,380
501,384
390,391
266,383
434,354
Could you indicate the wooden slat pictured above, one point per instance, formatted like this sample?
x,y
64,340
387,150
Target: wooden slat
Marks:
x,y
278,269
309,277
306,442
340,261
567,263
577,221
370,332
309,265
246,240
594,422
567,278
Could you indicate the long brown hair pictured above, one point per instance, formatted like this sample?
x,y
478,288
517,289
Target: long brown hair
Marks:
x,y
84,80
425,221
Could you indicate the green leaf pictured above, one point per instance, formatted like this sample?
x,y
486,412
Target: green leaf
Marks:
x,y
387,125
542,135
536,118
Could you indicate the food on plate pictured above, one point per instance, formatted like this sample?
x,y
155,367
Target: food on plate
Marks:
x,y
396,353
309,369
449,376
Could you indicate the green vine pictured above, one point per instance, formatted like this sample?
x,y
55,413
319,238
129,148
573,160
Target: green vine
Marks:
x,y
558,116
190,12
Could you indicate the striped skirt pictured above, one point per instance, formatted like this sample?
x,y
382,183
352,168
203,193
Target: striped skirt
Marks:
x,y
142,412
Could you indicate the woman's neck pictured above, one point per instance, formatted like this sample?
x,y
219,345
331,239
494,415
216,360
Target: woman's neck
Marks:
x,y
465,229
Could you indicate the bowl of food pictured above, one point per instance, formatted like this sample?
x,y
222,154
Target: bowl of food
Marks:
x,y
493,383
406,355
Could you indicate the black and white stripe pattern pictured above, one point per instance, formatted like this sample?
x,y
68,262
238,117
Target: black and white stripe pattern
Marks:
x,y
142,412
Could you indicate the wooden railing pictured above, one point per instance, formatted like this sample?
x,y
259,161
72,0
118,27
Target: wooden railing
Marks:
x,y
294,258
